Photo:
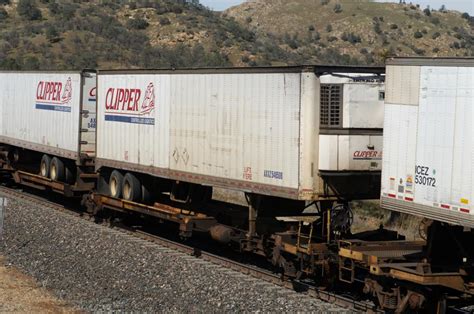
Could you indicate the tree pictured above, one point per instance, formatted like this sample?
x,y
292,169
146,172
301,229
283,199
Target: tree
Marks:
x,y
338,8
3,14
28,10
427,12
4,2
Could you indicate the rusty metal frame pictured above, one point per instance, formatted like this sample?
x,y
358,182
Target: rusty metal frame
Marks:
x,y
42,183
386,259
188,221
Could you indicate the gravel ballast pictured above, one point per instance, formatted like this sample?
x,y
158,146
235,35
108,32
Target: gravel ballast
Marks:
x,y
100,269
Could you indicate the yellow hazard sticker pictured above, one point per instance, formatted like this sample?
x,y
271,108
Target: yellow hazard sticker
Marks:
x,y
464,201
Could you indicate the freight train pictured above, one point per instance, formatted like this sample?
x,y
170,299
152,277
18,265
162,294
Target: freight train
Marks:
x,y
299,142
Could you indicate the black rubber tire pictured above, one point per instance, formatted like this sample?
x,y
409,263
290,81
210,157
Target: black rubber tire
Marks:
x,y
132,188
147,197
56,170
116,184
45,165
69,175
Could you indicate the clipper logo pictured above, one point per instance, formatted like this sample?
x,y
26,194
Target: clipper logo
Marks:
x,y
92,94
54,96
127,105
367,155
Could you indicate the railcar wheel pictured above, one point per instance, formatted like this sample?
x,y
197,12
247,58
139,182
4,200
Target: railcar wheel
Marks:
x,y
56,170
132,188
45,166
115,184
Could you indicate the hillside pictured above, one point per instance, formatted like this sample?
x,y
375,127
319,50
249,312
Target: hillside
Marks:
x,y
48,34
76,34
357,30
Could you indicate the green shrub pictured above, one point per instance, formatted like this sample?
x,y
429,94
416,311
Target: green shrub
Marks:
x,y
351,37
28,10
51,32
165,21
137,23
53,8
418,35
436,35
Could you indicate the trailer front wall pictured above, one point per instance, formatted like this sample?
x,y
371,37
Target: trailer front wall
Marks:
x,y
428,144
40,111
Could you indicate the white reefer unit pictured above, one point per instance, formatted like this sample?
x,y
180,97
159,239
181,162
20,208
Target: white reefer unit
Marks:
x,y
351,122
49,112
428,143
255,130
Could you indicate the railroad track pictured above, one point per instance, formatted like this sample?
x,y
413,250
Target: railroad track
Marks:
x,y
207,257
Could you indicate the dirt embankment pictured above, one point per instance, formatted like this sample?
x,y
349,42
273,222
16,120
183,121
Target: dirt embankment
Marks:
x,y
21,294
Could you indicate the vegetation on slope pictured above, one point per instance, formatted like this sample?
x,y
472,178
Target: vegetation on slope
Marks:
x,y
358,31
48,34
76,34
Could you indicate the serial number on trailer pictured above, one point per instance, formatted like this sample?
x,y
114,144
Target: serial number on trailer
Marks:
x,y
424,177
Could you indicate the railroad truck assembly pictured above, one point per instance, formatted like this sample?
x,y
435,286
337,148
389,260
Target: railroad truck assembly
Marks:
x,y
299,142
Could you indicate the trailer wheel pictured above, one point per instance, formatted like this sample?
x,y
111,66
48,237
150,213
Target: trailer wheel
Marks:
x,y
56,171
132,188
69,175
115,184
45,166
146,193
